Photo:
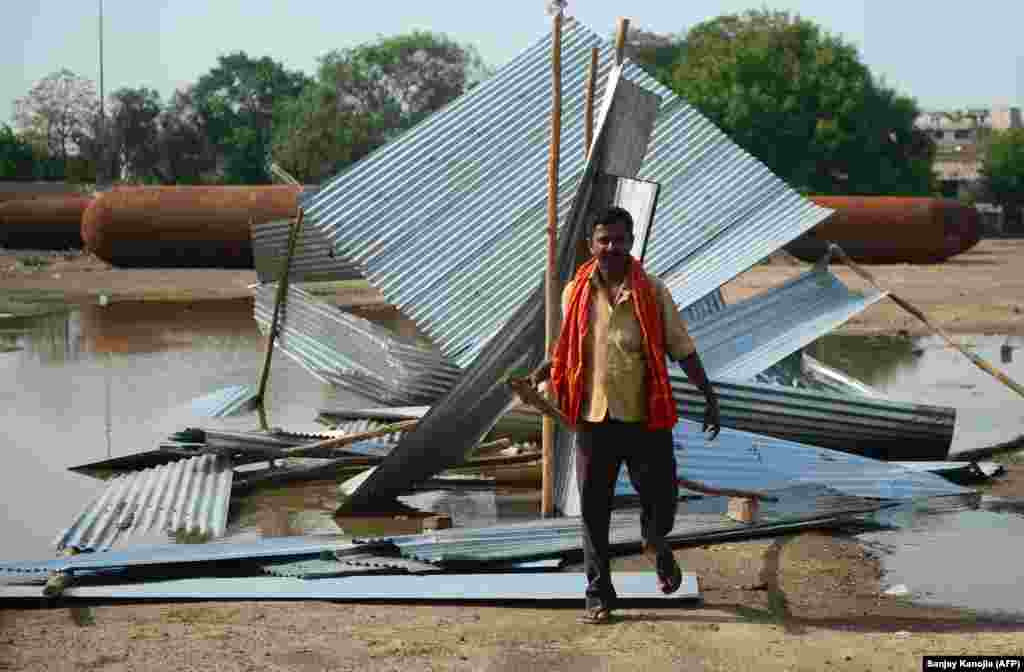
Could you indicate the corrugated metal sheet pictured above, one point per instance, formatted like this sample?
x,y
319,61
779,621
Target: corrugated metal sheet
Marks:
x,y
313,260
740,341
165,554
471,181
877,428
797,506
559,586
745,461
189,495
224,402
353,353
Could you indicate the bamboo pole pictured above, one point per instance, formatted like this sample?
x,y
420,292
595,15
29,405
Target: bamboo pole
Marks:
x,y
282,289
620,41
588,111
550,281
347,440
975,359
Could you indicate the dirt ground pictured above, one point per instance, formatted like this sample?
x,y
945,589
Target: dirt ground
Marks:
x,y
979,291
811,601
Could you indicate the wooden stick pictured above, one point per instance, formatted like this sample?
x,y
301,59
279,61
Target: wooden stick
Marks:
x,y
340,441
697,486
550,280
975,359
620,41
588,111
282,289
529,394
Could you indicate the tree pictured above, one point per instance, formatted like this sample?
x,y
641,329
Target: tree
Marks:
x,y
801,101
185,154
134,130
1003,173
236,101
58,109
367,95
16,159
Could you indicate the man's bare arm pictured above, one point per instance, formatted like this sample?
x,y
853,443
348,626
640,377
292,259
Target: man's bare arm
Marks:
x,y
694,369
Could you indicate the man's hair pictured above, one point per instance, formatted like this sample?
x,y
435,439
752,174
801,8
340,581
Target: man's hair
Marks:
x,y
612,215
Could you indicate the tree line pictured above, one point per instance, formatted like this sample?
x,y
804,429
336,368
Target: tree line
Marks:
x,y
794,96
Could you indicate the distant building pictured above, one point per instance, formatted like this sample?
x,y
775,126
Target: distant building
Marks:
x,y
959,137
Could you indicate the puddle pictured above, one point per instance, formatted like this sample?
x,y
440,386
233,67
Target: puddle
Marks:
x,y
96,382
927,370
965,556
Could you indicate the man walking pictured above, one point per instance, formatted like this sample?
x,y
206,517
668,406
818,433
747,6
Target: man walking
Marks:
x,y
609,376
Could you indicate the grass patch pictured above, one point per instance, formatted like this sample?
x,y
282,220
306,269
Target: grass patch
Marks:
x,y
34,262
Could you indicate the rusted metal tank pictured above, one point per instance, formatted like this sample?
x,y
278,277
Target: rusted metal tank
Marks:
x,y
51,223
27,191
892,229
205,227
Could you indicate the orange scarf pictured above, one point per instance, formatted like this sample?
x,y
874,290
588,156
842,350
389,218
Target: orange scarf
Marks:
x,y
567,362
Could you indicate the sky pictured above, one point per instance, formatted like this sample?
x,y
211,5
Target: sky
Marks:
x,y
945,56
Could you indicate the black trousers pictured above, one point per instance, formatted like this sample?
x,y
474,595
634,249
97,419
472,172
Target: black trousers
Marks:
x,y
601,449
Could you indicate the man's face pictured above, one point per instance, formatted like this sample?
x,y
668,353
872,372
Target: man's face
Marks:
x,y
610,244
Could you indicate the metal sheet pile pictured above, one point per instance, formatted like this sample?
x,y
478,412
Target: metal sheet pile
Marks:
x,y
353,353
189,496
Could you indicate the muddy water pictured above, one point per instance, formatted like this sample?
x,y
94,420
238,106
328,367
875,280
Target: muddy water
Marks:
x,y
95,382
965,554
927,370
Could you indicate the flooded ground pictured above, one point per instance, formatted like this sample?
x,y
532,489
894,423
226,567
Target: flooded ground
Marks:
x,y
961,555
927,370
94,382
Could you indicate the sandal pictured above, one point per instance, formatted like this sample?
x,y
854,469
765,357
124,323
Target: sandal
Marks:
x,y
596,615
671,584
670,577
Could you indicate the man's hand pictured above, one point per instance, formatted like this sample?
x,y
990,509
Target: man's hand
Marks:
x,y
712,416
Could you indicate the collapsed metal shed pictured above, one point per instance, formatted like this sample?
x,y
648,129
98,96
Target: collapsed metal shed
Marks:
x,y
719,212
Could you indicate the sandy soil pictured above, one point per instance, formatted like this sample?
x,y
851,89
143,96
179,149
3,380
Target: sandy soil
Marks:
x,y
811,601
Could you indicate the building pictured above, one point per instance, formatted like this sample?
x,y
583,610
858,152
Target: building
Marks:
x,y
959,137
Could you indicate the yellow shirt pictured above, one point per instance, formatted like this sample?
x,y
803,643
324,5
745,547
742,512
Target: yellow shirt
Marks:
x,y
614,353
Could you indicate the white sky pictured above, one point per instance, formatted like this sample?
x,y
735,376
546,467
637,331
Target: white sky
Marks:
x,y
944,55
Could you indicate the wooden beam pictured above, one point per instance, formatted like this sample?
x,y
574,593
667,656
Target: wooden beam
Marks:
x,y
552,307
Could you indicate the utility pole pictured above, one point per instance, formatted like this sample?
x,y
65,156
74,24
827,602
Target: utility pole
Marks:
x,y
103,160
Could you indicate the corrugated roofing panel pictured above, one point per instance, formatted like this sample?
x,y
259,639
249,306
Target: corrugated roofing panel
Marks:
x,y
742,340
470,182
140,556
417,587
797,506
188,495
353,353
746,461
225,401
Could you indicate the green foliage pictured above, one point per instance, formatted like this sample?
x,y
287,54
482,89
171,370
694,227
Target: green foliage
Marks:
x,y
1003,167
236,102
17,161
801,101
367,95
133,131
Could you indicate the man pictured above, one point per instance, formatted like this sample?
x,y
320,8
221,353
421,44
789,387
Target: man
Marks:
x,y
608,375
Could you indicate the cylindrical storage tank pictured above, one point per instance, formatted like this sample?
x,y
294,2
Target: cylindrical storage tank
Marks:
x,y
891,229
205,227
51,223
